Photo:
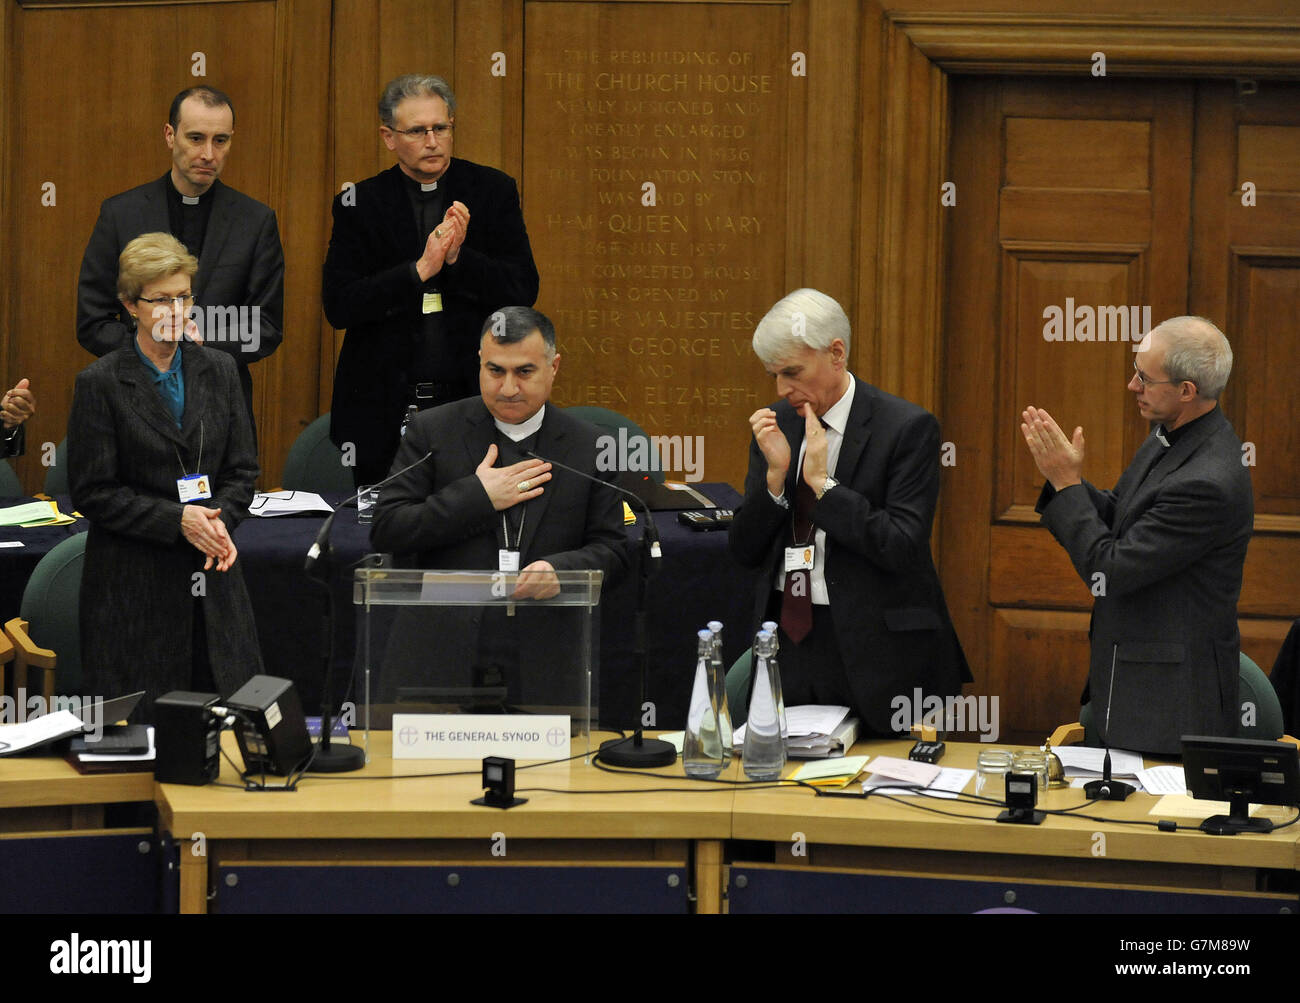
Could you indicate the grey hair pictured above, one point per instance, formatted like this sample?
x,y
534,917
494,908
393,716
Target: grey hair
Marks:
x,y
413,85
805,318
1196,350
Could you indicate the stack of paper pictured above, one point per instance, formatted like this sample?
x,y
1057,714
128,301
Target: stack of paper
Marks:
x,y
37,513
274,503
830,772
814,731
939,781
1081,761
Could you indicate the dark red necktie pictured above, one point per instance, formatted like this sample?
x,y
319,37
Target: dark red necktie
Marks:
x,y
796,602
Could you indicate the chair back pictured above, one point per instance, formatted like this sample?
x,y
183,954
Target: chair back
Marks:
x,y
56,477
51,604
315,463
738,687
610,422
10,486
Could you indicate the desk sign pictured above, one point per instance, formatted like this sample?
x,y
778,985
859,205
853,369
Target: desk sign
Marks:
x,y
473,736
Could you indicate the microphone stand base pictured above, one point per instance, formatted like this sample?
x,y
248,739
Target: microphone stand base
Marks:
x,y
632,754
338,759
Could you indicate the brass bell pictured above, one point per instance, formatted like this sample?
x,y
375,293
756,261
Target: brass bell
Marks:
x,y
1055,769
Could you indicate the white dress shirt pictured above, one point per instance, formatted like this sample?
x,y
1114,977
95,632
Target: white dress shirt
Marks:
x,y
836,420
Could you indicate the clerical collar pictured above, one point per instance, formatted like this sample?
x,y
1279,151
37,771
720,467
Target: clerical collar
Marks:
x,y
1169,436
432,186
517,433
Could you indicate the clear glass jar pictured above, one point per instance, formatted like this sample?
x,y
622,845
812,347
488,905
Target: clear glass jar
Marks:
x,y
991,772
1032,761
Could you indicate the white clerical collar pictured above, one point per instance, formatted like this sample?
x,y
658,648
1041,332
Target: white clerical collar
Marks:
x,y
1161,432
432,186
190,199
524,429
837,415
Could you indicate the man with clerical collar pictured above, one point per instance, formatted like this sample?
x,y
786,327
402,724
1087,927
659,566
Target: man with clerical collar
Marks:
x,y
839,501
481,501
1163,552
488,498
239,287
412,279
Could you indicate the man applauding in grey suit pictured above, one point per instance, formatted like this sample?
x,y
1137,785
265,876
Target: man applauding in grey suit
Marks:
x,y
239,288
1163,552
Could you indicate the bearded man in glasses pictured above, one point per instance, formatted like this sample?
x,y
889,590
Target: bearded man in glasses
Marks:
x,y
420,255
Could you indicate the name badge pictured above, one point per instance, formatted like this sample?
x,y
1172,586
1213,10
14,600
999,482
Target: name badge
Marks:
x,y
507,560
799,558
194,487
432,303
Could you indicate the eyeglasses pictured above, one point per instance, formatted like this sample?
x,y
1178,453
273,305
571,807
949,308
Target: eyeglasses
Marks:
x,y
1146,380
185,300
417,132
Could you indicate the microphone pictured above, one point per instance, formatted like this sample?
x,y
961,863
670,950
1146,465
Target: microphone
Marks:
x,y
320,547
652,530
637,752
1107,789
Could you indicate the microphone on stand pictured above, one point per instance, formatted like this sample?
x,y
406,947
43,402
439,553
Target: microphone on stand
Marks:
x,y
637,752
335,758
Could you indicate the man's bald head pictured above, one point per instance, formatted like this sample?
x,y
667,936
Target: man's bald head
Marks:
x,y
1192,349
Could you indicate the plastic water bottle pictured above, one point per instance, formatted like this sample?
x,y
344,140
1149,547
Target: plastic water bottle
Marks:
x,y
775,671
720,688
702,746
764,755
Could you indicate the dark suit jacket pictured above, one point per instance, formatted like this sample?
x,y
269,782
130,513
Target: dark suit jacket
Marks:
x,y
242,264
12,440
138,586
368,289
1170,547
891,622
441,512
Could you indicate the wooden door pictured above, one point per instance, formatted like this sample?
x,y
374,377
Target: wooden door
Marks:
x,y
1071,196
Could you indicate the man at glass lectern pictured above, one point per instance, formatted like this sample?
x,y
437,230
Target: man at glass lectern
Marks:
x,y
481,501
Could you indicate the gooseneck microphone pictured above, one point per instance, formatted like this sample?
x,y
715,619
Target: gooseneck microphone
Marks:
x,y
320,549
637,752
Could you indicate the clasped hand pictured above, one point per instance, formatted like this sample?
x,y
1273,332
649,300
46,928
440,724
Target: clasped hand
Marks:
x,y
443,245
776,449
1059,460
203,527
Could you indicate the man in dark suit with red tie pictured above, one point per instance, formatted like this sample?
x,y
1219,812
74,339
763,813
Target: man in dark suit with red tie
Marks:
x,y
839,500
239,287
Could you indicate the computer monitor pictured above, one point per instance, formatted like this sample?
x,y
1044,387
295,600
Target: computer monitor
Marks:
x,y
1240,771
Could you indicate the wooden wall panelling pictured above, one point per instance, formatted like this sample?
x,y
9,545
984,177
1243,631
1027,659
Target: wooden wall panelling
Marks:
x,y
241,48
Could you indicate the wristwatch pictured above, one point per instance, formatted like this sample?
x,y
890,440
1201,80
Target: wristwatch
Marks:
x,y
830,483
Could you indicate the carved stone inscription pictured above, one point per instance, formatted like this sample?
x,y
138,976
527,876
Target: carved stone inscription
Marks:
x,y
655,191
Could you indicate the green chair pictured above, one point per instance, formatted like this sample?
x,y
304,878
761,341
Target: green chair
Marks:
x,y
610,422
1253,691
46,634
56,477
10,486
316,464
738,687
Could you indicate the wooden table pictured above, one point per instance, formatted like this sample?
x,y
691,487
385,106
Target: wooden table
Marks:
x,y
892,855
425,832
58,853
